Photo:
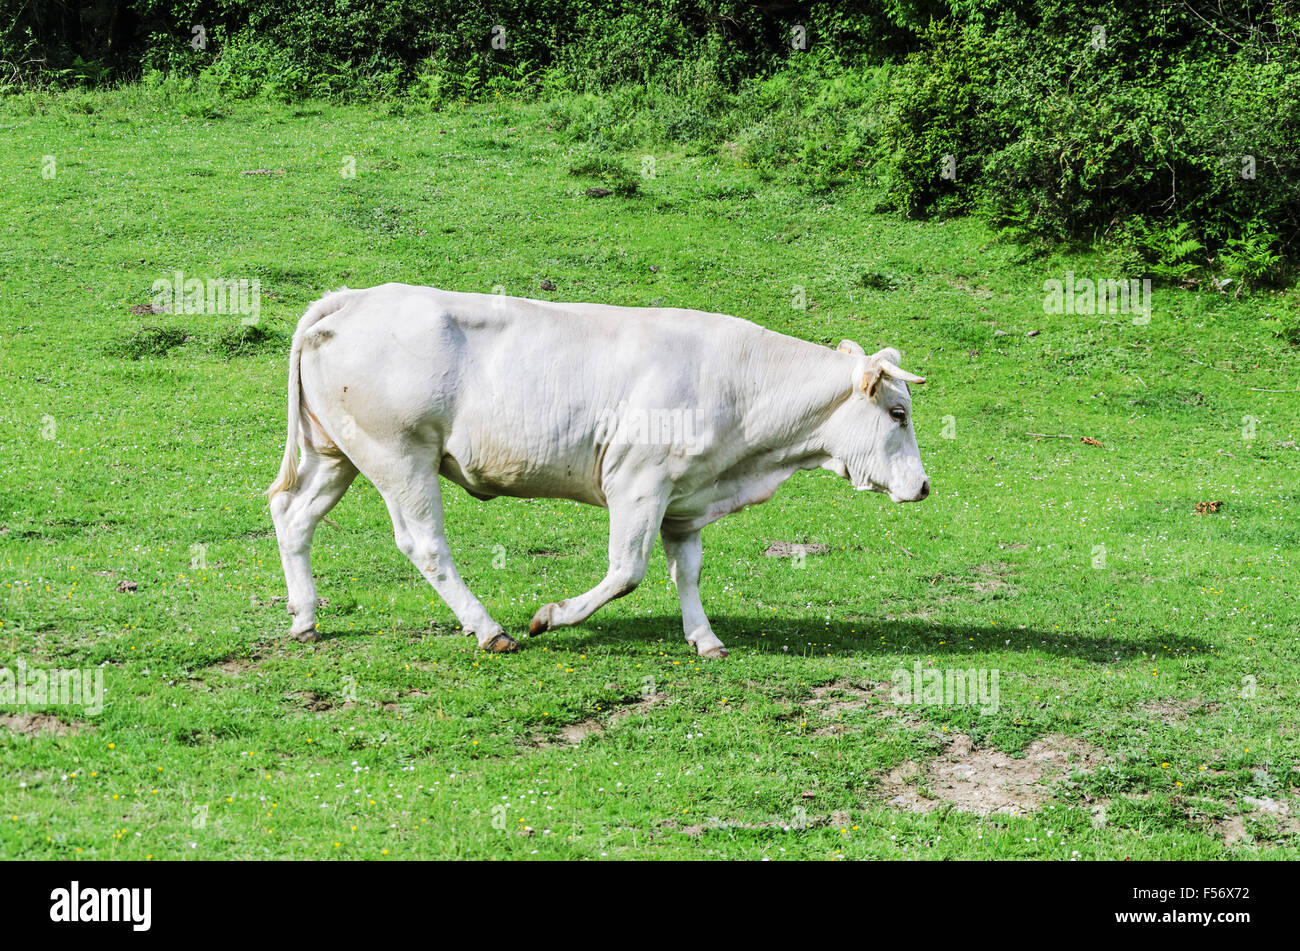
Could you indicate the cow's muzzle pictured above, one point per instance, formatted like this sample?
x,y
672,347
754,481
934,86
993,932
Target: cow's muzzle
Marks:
x,y
922,494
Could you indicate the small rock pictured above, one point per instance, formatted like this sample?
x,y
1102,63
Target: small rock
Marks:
x,y
1033,333
1266,804
548,285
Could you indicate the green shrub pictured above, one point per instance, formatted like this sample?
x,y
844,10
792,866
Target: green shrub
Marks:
x,y
611,173
1181,141
150,342
244,340
937,134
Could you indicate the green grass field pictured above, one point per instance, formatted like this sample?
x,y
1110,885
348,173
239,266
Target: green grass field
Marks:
x,y
1147,654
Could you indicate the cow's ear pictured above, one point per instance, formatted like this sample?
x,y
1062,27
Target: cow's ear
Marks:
x,y
870,379
848,346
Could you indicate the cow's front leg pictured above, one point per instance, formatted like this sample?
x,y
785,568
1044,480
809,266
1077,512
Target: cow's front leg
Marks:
x,y
685,556
633,522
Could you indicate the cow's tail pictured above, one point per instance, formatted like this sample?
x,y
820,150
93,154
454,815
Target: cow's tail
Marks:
x,y
287,477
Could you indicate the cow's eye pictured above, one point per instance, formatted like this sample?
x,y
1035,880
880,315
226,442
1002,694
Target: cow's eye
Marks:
x,y
898,414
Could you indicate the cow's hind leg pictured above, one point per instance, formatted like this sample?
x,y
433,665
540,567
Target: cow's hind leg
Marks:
x,y
633,522
414,500
685,556
296,512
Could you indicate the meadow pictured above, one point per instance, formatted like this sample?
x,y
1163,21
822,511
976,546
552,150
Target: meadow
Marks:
x,y
1146,651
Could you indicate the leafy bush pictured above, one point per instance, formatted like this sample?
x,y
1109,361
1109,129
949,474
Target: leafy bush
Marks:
x,y
244,340
813,121
150,342
1180,139
609,172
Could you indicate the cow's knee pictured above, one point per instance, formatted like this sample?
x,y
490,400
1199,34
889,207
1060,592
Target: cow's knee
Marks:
x,y
624,586
431,563
280,503
286,511
623,579
427,555
405,543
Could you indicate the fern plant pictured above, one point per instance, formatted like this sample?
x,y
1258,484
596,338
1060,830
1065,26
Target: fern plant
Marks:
x,y
1173,251
1249,259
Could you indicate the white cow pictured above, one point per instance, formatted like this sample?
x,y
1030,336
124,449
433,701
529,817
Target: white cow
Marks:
x,y
669,418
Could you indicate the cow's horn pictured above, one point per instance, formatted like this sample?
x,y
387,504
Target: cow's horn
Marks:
x,y
894,372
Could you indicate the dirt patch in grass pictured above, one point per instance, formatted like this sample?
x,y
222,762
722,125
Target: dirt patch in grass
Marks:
x,y
833,694
840,697
400,705
40,724
839,819
986,578
572,734
1173,712
1262,817
983,781
779,549
234,666
314,702
962,284
991,577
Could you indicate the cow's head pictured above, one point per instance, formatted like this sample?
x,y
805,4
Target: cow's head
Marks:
x,y
869,435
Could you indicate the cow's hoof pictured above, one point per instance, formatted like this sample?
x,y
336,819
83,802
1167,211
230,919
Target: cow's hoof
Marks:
x,y
715,653
541,621
309,636
501,644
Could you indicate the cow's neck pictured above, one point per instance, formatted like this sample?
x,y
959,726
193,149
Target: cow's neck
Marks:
x,y
790,390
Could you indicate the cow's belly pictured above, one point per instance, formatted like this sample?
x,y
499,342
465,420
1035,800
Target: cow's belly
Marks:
x,y
487,470
696,506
